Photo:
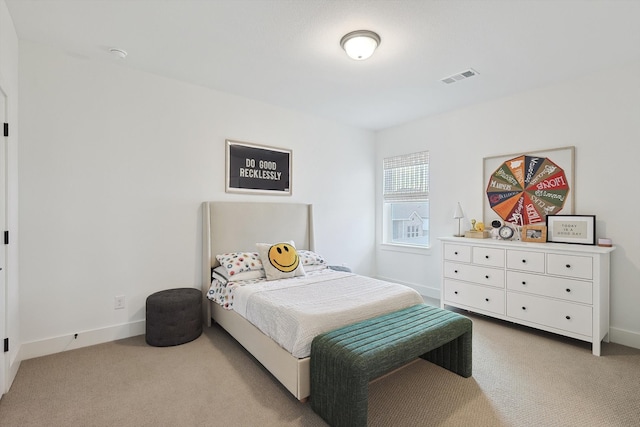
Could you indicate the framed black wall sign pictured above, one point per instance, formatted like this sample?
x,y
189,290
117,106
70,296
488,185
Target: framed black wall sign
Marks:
x,y
252,168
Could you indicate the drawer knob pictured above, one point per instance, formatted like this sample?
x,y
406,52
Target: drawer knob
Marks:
x,y
455,292
486,277
455,271
486,299
524,308
524,283
486,256
455,253
568,290
568,317
568,265
524,261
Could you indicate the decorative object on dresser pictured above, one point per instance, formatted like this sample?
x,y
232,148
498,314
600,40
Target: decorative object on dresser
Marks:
x,y
577,229
495,227
458,214
558,288
534,233
523,188
477,230
506,232
605,243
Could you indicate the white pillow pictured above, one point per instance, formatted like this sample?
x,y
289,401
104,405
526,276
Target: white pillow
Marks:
x,y
239,262
222,275
280,260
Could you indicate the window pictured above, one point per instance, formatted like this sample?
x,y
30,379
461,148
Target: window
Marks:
x,y
406,199
413,231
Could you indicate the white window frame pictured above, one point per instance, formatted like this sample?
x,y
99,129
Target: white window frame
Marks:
x,y
405,179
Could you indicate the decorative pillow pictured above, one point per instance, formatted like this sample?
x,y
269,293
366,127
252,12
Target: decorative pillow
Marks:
x,y
280,260
239,262
220,274
310,258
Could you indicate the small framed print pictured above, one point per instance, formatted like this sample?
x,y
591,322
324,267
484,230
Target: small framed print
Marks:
x,y
576,229
534,233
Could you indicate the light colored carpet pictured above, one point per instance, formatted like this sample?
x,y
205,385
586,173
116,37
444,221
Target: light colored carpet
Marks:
x,y
521,377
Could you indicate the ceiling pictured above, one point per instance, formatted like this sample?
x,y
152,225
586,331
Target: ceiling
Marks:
x,y
287,52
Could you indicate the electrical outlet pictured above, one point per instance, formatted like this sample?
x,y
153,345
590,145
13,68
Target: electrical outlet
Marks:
x,y
118,302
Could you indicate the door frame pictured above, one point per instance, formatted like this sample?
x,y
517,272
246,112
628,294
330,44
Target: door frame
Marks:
x,y
4,306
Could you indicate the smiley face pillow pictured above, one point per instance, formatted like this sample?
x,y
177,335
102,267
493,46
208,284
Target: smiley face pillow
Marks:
x,y
280,260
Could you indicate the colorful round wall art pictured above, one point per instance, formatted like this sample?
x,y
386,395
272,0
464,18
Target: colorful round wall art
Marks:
x,y
525,189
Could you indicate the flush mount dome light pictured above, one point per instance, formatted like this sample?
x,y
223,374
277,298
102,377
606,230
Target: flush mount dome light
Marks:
x,y
360,44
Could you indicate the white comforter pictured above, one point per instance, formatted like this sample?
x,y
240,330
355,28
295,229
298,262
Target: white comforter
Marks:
x,y
293,311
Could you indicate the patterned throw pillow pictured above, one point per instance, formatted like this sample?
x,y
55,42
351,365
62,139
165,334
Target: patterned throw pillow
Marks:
x,y
280,260
310,258
312,261
239,262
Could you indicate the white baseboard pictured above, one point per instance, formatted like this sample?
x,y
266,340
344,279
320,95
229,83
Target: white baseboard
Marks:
x,y
59,344
32,349
13,371
624,337
433,293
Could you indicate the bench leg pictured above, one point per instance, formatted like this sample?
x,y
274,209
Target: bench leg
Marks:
x,y
341,400
454,355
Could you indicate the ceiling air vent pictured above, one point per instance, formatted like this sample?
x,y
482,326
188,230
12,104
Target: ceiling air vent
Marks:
x,y
460,76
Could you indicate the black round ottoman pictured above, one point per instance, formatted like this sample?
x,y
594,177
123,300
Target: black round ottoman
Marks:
x,y
174,317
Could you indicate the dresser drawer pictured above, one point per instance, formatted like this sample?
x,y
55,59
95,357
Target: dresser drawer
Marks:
x,y
579,267
556,287
557,314
480,297
527,261
457,252
488,256
476,274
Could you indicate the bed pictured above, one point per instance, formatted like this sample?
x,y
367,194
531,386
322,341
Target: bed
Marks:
x,y
238,226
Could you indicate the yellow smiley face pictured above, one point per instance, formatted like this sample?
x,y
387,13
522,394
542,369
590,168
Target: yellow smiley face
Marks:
x,y
284,257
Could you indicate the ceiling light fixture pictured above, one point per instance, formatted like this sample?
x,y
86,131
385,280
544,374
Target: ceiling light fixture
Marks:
x,y
118,52
360,44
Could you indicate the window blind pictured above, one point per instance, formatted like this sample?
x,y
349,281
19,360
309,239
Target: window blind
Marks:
x,y
406,177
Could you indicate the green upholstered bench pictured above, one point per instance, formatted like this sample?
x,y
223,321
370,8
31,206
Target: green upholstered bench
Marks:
x,y
345,360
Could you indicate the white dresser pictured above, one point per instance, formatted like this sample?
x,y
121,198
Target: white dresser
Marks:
x,y
555,287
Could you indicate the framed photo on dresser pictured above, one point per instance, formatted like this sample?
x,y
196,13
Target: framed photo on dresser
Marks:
x,y
534,233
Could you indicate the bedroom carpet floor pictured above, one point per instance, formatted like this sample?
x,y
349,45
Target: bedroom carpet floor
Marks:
x,y
521,377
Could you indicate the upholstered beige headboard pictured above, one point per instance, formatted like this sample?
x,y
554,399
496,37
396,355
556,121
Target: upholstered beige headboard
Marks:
x,y
238,226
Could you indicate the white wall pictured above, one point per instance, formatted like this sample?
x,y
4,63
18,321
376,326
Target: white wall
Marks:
x,y
9,83
114,164
598,114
